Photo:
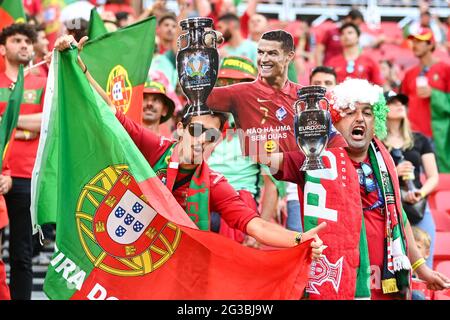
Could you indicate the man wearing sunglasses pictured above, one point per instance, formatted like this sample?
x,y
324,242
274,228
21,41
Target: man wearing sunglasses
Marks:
x,y
197,189
352,62
371,249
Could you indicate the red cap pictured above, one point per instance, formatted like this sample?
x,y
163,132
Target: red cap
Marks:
x,y
423,34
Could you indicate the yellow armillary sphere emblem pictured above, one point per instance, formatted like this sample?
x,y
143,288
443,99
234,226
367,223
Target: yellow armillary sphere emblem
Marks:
x,y
118,229
119,88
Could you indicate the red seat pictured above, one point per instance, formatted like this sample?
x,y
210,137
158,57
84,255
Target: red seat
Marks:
x,y
441,247
444,182
444,268
441,220
442,200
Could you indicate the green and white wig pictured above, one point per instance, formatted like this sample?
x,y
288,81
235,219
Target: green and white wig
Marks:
x,y
351,91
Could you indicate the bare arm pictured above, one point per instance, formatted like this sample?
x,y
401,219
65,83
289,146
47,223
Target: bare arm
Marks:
x,y
319,53
431,172
65,42
30,122
251,7
274,235
434,279
269,201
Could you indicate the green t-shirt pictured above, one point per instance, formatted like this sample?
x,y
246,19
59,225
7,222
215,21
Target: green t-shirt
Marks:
x,y
247,49
240,171
160,62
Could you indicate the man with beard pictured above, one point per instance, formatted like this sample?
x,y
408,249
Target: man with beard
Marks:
x,y
16,46
167,31
157,107
359,197
235,44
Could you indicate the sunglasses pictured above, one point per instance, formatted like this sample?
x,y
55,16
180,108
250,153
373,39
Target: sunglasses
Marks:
x,y
197,129
363,173
350,66
370,185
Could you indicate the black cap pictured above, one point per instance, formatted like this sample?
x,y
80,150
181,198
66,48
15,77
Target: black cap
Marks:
x,y
391,96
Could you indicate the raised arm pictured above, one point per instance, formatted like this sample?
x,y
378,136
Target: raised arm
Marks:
x,y
65,42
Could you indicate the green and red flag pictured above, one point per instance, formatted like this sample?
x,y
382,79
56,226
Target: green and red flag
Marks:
x,y
121,233
440,123
119,61
96,25
11,11
9,118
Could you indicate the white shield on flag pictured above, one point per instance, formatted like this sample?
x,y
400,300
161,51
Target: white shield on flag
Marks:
x,y
117,93
129,219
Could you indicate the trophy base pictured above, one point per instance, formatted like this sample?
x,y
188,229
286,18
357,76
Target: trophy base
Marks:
x,y
197,111
312,164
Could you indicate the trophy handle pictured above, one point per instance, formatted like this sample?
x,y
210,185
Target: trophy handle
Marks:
x,y
327,103
296,106
183,37
213,42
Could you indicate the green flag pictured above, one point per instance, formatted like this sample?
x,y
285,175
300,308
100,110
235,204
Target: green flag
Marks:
x,y
96,25
440,122
119,61
11,115
11,11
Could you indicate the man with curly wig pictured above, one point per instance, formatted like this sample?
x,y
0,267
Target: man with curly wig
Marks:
x,y
371,250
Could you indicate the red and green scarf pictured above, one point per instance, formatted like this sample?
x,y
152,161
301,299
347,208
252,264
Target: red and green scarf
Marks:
x,y
332,195
197,200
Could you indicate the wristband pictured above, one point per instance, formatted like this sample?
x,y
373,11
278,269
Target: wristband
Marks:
x,y
423,194
27,134
417,264
85,69
298,238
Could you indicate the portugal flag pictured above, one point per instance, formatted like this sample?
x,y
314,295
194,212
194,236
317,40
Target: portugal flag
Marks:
x,y
9,118
121,234
96,25
119,61
10,11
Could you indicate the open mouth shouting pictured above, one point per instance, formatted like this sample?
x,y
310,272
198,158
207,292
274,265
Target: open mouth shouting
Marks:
x,y
358,133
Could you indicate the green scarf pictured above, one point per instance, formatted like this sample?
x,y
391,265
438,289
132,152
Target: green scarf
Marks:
x,y
197,200
396,265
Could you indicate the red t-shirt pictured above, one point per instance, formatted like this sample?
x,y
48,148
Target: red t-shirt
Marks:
x,y
223,198
364,68
419,112
23,152
264,114
375,225
332,42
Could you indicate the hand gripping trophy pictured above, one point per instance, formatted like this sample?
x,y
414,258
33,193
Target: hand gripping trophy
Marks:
x,y
311,125
197,63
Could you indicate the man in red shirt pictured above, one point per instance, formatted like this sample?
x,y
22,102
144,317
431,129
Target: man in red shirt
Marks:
x,y
16,46
263,108
167,32
358,196
353,63
198,190
421,79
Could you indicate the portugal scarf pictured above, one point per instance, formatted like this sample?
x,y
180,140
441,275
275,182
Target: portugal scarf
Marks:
x,y
332,195
197,200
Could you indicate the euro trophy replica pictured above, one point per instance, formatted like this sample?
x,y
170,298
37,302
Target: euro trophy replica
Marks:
x,y
197,63
311,125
